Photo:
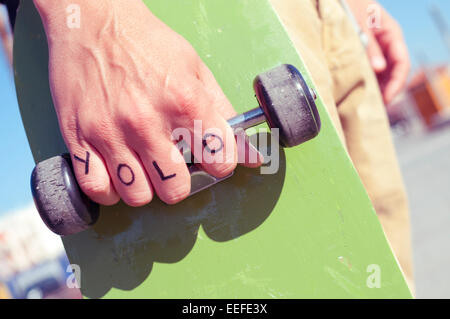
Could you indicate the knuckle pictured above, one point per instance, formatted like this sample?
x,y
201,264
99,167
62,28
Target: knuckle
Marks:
x,y
176,194
94,187
100,127
185,49
139,122
70,129
103,134
188,102
138,199
224,169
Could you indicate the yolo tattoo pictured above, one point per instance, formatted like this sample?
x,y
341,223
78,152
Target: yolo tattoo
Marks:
x,y
161,174
120,168
85,161
206,146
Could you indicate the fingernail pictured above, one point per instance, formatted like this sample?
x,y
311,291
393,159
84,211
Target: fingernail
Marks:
x,y
378,63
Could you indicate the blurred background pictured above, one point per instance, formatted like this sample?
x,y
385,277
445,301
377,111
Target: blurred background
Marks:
x,y
32,259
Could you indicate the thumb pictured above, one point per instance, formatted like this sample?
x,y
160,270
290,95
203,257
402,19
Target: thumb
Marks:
x,y
248,155
376,57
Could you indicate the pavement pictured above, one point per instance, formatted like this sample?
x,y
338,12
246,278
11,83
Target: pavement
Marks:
x,y
425,163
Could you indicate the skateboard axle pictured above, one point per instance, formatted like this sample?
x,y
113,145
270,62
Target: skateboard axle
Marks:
x,y
248,119
254,117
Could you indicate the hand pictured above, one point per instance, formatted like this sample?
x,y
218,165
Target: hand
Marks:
x,y
387,49
122,83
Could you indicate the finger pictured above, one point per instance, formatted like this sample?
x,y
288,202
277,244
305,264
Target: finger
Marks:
x,y
248,155
214,145
221,103
393,45
167,170
399,70
211,137
376,56
92,174
127,174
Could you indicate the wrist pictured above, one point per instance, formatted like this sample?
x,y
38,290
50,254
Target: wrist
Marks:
x,y
48,8
57,15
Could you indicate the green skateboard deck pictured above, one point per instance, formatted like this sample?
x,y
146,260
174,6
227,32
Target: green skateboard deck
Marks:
x,y
308,231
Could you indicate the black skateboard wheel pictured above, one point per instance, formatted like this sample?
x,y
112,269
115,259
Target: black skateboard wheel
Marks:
x,y
63,207
288,105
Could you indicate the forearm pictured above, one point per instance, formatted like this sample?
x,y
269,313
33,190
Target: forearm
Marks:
x,y
58,7
95,18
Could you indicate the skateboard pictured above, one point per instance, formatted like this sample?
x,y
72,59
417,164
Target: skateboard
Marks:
x,y
306,231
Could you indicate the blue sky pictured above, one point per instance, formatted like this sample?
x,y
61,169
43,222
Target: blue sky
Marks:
x,y
419,29
16,162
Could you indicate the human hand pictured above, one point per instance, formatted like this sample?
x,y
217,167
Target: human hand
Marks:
x,y
122,83
387,50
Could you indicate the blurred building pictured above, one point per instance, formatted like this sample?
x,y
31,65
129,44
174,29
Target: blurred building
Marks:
x,y
403,115
425,103
25,242
430,89
33,263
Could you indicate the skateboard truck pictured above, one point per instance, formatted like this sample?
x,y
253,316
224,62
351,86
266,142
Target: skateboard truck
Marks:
x,y
285,102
